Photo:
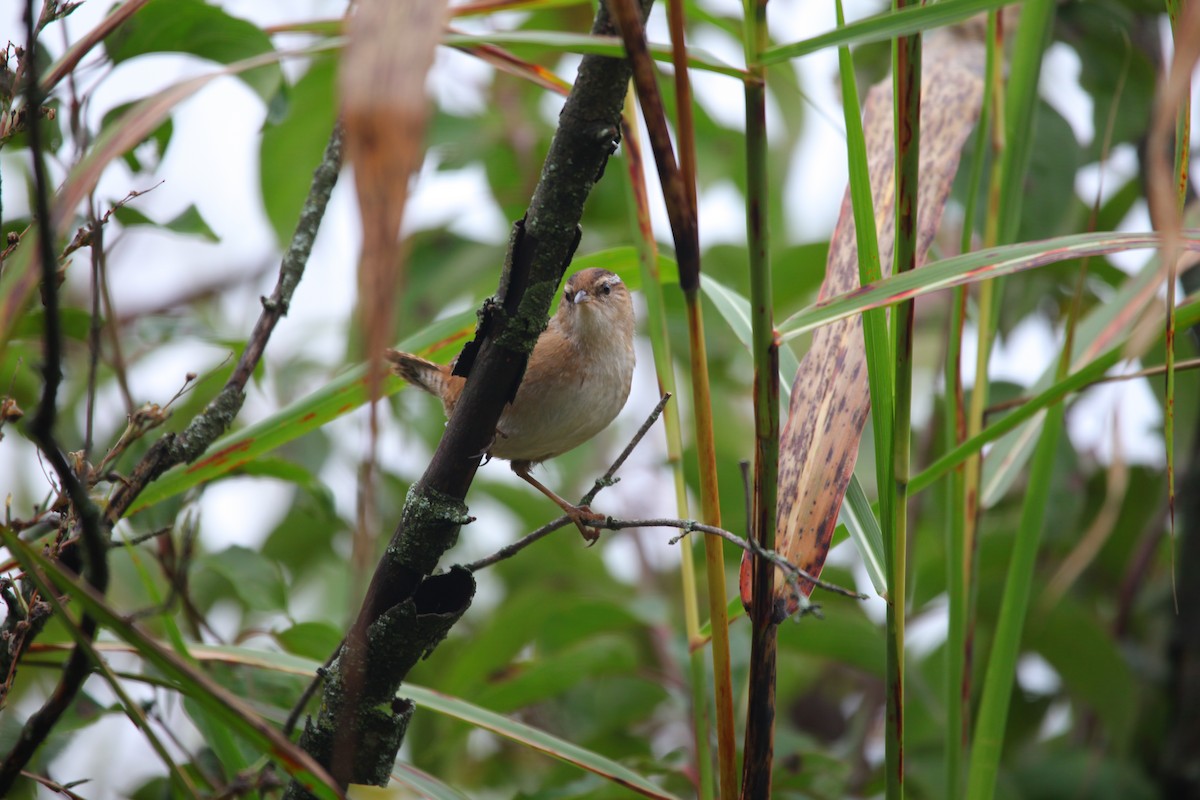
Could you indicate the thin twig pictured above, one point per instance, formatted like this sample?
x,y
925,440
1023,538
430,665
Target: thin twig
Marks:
x,y
746,545
78,665
218,415
608,479
290,724
93,327
686,525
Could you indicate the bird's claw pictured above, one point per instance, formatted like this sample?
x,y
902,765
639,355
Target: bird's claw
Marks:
x,y
583,515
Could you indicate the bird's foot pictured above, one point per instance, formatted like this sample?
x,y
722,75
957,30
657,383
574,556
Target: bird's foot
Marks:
x,y
581,516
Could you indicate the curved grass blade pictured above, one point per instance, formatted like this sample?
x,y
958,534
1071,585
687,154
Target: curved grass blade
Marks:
x,y
734,308
537,739
971,268
407,782
340,396
885,26
586,44
219,701
452,707
133,709
1027,416
20,275
863,527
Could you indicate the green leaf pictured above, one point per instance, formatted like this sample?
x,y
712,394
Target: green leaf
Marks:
x,y
315,640
1090,662
160,137
255,579
187,221
545,677
199,29
292,146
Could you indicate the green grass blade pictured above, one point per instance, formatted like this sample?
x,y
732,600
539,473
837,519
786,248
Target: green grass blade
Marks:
x,y
419,784
863,527
971,268
884,26
340,396
988,741
232,710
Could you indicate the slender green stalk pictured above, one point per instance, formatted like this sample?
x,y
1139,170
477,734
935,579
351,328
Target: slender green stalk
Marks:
x,y
1001,670
684,228
985,323
714,553
760,727
1183,135
660,344
1016,112
907,103
959,557
875,332
957,565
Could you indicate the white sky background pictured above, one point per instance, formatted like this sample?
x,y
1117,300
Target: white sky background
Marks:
x,y
212,162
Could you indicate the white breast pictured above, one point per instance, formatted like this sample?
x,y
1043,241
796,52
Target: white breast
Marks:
x,y
561,406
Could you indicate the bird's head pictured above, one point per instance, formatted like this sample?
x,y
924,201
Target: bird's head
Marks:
x,y
596,302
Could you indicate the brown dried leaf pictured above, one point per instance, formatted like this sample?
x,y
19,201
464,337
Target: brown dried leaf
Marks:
x,y
384,109
830,401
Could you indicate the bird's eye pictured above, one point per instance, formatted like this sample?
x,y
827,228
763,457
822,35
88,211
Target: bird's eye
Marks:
x,y
605,289
569,295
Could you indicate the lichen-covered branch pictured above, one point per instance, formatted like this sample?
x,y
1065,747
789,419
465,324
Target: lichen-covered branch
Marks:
x,y
185,447
406,610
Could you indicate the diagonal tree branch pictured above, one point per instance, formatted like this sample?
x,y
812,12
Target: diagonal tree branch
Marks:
x,y
407,609
185,447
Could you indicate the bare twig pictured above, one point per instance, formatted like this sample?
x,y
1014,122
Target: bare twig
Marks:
x,y
746,545
608,479
686,525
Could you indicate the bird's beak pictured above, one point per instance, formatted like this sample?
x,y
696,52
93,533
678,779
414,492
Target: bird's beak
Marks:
x,y
582,297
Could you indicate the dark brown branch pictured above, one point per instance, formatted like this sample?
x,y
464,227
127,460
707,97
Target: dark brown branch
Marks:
x,y
680,208
95,553
407,609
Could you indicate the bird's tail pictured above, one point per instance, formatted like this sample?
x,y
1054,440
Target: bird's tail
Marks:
x,y
423,374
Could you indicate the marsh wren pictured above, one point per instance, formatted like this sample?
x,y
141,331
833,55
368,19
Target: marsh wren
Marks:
x,y
576,382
